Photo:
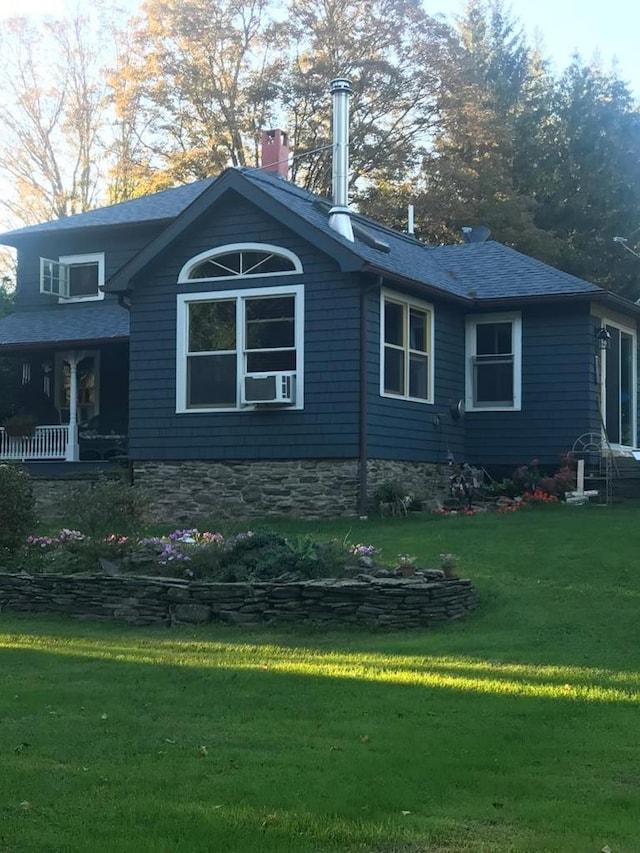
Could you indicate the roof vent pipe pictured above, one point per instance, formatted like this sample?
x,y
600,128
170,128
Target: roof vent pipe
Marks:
x,y
410,226
339,218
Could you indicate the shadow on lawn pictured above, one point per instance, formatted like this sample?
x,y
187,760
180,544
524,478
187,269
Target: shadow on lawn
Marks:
x,y
305,749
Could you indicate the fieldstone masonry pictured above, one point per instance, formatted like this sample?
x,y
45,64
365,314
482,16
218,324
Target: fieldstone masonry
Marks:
x,y
187,491
371,602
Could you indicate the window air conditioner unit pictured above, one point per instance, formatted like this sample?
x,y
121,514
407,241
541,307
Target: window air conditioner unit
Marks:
x,y
260,389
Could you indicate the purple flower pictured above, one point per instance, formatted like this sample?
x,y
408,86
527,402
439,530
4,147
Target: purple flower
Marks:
x,y
361,550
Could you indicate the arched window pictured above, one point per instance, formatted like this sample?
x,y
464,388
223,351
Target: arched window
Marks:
x,y
240,260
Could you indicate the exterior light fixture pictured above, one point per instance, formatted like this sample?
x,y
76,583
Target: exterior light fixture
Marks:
x,y
603,337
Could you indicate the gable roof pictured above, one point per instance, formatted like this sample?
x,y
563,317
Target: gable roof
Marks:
x,y
473,272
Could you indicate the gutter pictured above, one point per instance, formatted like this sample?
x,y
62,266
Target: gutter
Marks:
x,y
418,287
7,349
621,302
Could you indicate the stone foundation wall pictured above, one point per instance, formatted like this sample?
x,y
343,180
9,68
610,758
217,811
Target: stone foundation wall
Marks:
x,y
188,491
374,602
423,481
50,493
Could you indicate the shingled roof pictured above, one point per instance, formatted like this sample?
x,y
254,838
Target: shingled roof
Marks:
x,y
467,272
165,205
65,324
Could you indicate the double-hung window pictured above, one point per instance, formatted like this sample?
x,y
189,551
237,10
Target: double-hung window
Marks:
x,y
225,337
494,358
73,278
406,348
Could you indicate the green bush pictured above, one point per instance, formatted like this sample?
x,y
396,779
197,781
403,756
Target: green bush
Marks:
x,y
106,505
17,507
259,555
263,555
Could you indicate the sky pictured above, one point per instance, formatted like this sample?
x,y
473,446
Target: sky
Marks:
x,y
611,28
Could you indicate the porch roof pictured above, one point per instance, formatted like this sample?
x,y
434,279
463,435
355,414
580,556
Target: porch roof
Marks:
x,y
65,324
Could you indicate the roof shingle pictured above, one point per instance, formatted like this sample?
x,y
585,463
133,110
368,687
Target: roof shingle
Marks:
x,y
65,324
468,271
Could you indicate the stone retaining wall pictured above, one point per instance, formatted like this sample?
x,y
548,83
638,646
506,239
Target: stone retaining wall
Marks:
x,y
372,602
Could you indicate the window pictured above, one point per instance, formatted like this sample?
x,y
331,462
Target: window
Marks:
x,y
406,356
73,278
494,351
240,259
226,336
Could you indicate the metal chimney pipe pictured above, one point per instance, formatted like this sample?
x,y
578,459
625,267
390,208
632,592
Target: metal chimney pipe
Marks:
x,y
410,225
339,218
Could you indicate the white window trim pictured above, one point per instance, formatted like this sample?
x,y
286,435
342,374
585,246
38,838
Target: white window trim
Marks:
x,y
72,260
515,318
239,294
621,324
402,298
210,254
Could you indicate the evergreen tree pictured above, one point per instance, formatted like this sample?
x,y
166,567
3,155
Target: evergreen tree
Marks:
x,y
588,186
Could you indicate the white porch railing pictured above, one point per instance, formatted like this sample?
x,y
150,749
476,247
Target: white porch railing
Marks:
x,y
48,442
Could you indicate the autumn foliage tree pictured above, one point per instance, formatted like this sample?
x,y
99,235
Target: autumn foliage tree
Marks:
x,y
465,119
52,114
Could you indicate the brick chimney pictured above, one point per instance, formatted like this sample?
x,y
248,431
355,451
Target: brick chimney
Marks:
x,y
275,152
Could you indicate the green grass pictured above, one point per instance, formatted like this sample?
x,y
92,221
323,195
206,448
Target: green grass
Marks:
x,y
516,730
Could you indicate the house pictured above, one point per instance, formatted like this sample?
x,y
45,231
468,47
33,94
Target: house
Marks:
x,y
266,351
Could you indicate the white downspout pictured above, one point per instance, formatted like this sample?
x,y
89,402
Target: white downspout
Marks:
x,y
339,218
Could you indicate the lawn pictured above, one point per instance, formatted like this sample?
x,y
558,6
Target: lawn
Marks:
x,y
516,730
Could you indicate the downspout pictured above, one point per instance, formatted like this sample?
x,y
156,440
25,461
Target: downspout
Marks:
x,y
363,459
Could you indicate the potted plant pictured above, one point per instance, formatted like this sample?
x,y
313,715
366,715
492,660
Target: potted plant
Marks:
x,y
17,426
448,565
406,565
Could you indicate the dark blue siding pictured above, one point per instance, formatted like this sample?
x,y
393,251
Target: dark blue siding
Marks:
x,y
407,430
328,427
118,248
559,393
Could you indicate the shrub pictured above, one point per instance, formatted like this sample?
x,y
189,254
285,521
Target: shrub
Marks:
x,y
260,555
562,481
390,497
17,507
105,505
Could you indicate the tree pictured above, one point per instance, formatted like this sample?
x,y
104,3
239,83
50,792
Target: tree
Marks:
x,y
194,87
51,108
393,53
201,78
6,298
589,189
468,172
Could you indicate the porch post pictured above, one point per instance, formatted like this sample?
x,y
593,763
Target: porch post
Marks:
x,y
73,449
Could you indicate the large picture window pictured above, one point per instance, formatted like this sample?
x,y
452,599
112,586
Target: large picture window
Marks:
x,y
225,337
406,348
494,348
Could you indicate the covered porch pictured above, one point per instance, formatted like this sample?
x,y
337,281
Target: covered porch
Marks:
x,y
66,399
